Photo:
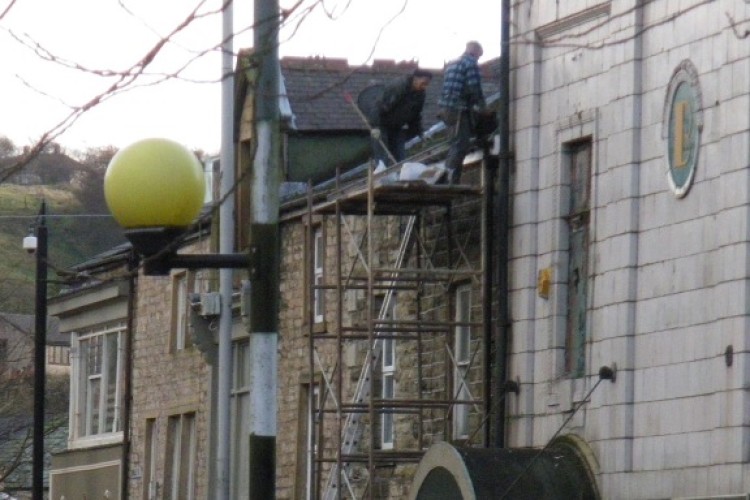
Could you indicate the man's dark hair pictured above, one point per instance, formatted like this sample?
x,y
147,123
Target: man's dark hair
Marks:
x,y
422,73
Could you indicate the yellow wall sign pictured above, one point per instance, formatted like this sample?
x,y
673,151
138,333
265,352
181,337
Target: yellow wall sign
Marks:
x,y
683,123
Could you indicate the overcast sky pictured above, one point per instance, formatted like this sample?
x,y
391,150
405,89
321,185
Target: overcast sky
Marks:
x,y
99,35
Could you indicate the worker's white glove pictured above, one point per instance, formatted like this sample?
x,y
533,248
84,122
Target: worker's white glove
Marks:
x,y
375,134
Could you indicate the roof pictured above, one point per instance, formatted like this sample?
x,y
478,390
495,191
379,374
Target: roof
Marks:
x,y
318,88
26,324
45,168
13,435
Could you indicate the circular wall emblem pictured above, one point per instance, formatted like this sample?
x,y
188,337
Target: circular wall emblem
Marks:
x,y
682,126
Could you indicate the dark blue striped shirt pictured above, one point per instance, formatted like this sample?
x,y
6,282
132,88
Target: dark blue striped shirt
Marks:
x,y
462,84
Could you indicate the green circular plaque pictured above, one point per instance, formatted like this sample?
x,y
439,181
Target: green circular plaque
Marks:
x,y
682,127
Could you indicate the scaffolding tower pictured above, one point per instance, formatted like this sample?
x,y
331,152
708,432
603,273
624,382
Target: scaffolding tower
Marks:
x,y
405,240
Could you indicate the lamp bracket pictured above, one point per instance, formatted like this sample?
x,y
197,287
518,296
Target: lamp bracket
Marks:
x,y
160,265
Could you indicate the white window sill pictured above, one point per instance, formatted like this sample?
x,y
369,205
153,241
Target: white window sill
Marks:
x,y
96,440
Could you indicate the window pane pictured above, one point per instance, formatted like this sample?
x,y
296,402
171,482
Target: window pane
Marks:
x,y
240,452
462,345
387,418
318,262
96,404
463,357
462,411
388,353
318,298
463,332
111,369
149,469
94,395
388,387
464,304
240,421
187,460
241,366
172,481
179,309
319,251
94,355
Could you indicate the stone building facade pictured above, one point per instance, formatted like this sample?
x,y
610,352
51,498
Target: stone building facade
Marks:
x,y
171,392
630,198
324,260
93,315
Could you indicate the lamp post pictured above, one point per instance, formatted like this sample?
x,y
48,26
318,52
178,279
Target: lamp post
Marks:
x,y
37,244
155,189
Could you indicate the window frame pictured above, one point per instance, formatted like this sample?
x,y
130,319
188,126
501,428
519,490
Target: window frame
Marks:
x,y
179,475
150,459
57,355
183,283
578,235
3,355
81,401
308,438
387,421
318,274
239,407
388,383
462,300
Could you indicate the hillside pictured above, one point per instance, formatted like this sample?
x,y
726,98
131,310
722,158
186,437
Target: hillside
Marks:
x,y
73,237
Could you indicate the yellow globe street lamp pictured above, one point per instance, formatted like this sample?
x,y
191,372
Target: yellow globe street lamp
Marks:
x,y
154,189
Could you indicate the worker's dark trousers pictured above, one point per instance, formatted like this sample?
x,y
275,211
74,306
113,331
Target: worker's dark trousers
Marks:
x,y
394,139
460,123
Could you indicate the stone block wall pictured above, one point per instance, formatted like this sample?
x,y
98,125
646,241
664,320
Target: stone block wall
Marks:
x,y
667,290
166,383
430,302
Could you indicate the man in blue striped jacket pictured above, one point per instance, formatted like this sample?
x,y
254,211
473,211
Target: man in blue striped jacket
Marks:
x,y
462,95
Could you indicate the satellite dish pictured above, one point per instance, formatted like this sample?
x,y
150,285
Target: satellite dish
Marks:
x,y
367,101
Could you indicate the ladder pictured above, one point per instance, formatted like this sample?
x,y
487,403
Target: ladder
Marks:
x,y
352,429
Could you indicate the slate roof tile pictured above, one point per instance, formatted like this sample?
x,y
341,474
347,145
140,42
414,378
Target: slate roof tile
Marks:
x,y
317,89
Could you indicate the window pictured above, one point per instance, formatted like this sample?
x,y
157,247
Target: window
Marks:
x,y
97,373
210,176
56,355
579,162
243,191
240,415
182,285
3,354
319,249
307,441
388,389
179,480
462,355
150,456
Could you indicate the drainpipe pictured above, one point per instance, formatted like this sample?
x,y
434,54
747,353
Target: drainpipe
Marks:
x,y
502,219
490,169
128,375
226,245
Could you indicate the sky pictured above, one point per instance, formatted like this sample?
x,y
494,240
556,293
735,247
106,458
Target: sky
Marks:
x,y
55,55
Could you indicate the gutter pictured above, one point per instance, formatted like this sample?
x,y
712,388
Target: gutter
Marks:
x,y
502,228
128,369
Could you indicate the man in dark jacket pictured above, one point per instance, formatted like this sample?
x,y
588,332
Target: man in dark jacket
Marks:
x,y
399,115
462,95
